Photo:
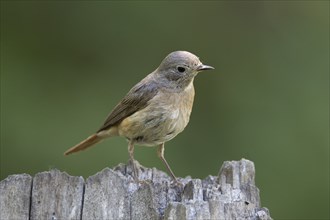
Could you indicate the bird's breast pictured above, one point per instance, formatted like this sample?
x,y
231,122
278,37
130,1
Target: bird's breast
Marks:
x,y
166,115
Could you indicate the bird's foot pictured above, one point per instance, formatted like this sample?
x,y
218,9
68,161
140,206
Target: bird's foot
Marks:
x,y
132,168
176,183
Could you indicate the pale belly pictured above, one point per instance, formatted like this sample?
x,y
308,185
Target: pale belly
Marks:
x,y
161,121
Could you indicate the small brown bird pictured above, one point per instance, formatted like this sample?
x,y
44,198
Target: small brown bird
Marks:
x,y
155,110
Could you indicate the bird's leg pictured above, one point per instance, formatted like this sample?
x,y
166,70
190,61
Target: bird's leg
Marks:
x,y
131,157
160,153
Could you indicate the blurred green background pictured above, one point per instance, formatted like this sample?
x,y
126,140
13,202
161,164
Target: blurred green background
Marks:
x,y
65,65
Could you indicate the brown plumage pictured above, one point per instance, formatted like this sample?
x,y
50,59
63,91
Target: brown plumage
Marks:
x,y
155,110
90,141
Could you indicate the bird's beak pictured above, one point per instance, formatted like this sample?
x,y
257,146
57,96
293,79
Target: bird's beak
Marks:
x,y
204,67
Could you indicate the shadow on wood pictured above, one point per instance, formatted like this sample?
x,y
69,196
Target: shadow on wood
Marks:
x,y
113,194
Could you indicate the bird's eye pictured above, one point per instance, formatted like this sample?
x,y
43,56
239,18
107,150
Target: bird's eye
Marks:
x,y
181,69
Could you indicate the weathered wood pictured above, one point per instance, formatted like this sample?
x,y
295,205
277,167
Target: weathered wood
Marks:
x,y
113,194
15,193
56,195
106,196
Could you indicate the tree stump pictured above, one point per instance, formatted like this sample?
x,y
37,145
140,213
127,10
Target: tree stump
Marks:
x,y
113,194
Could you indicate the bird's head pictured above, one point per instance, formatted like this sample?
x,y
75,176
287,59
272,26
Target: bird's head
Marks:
x,y
180,68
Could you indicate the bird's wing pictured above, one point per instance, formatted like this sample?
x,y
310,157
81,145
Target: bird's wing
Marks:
x,y
136,99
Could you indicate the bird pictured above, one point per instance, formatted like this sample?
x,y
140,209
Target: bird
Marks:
x,y
155,110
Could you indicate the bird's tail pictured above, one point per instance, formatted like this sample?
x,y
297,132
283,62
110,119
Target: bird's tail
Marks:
x,y
90,141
